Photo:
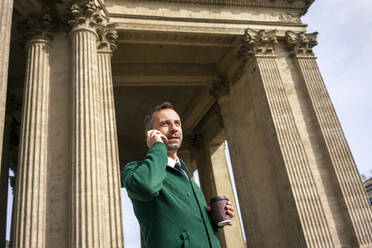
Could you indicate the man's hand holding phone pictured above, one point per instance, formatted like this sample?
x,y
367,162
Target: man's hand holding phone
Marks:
x,y
153,136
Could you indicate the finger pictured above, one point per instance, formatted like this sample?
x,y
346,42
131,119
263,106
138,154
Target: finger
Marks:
x,y
154,133
231,213
229,208
152,136
164,138
150,133
229,223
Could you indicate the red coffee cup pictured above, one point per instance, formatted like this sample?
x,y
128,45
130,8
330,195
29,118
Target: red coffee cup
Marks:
x,y
218,210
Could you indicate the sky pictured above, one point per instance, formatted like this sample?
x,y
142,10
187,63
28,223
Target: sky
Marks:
x,y
344,58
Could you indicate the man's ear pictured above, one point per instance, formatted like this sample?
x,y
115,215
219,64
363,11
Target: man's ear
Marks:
x,y
146,130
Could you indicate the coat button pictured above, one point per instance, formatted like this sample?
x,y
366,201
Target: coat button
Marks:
x,y
188,194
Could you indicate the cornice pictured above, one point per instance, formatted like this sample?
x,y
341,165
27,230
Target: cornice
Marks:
x,y
194,29
177,38
283,4
284,20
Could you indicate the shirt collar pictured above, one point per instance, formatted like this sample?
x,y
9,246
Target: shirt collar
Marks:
x,y
172,162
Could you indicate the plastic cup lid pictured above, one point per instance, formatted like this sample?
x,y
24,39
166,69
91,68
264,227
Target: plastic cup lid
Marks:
x,y
218,198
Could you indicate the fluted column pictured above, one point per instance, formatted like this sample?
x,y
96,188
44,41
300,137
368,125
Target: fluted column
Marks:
x,y
286,161
87,208
243,183
215,181
358,209
261,46
113,215
30,199
6,10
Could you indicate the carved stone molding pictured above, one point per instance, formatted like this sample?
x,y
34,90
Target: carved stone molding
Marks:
x,y
289,18
169,37
291,4
255,44
38,28
301,44
87,16
258,44
220,87
107,38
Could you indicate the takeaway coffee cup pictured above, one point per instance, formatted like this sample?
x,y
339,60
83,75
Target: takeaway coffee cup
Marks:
x,y
218,211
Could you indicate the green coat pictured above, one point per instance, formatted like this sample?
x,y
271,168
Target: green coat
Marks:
x,y
171,210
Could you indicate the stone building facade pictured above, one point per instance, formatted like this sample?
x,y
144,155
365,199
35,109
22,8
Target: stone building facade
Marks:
x,y
78,77
368,186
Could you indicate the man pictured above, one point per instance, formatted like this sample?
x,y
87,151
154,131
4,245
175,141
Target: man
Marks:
x,y
169,206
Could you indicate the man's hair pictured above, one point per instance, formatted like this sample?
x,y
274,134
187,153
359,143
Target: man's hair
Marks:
x,y
148,118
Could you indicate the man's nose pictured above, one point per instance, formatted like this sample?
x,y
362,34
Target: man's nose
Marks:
x,y
173,128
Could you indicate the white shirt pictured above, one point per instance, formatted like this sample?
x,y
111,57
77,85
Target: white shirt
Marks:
x,y
172,163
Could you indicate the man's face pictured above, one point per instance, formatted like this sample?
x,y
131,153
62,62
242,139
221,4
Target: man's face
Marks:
x,y
168,123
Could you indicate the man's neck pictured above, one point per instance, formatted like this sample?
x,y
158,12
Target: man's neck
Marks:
x,y
173,155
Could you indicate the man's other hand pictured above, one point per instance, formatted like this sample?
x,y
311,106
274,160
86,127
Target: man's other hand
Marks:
x,y
153,136
229,210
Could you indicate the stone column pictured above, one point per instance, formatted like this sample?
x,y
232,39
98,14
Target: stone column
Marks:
x,y
6,10
87,227
108,37
30,196
275,185
215,180
357,208
206,176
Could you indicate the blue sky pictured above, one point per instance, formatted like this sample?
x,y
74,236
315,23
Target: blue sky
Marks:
x,y
344,57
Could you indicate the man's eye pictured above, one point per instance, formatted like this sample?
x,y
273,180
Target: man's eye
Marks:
x,y
164,124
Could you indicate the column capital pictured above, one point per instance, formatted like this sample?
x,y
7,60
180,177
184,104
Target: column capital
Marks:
x,y
259,43
220,87
86,17
108,37
38,29
301,44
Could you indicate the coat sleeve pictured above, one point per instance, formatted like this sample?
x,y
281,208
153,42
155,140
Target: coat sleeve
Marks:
x,y
144,179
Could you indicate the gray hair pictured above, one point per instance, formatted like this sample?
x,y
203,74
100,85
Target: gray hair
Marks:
x,y
148,117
